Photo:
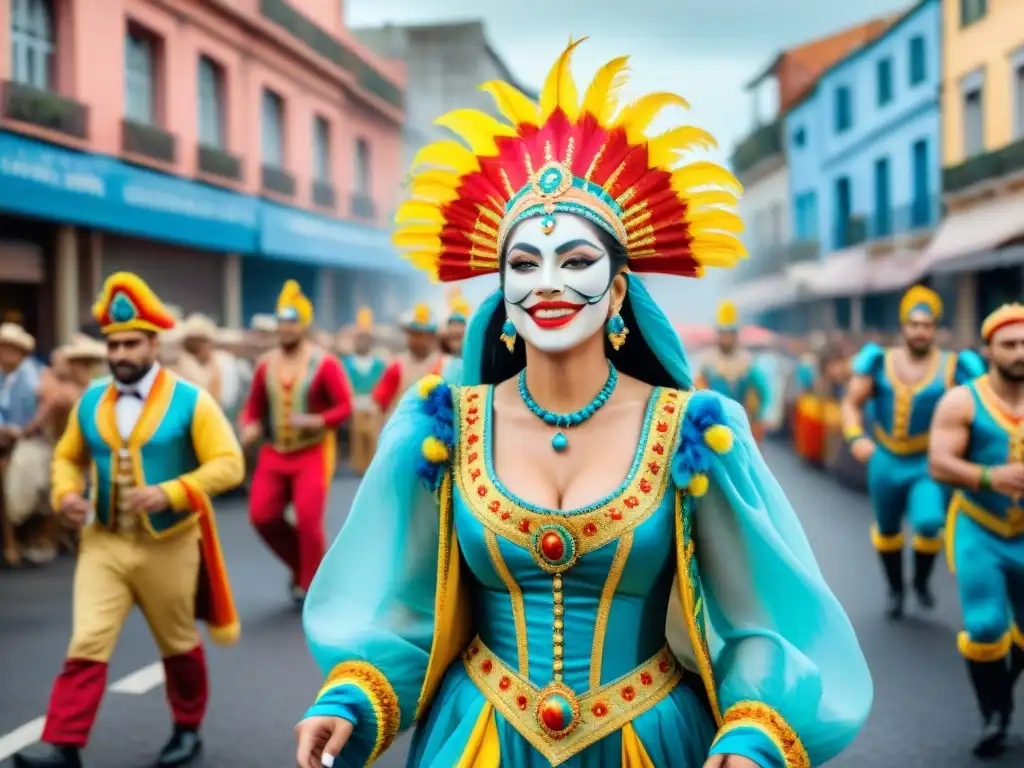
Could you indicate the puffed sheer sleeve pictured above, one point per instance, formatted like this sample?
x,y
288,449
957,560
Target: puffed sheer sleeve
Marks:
x,y
369,613
869,361
969,366
793,685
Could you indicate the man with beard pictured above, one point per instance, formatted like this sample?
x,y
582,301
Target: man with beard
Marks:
x,y
421,358
976,448
299,397
159,448
903,385
364,370
730,370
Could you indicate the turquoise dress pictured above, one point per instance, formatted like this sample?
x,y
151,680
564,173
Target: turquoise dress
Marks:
x,y
684,615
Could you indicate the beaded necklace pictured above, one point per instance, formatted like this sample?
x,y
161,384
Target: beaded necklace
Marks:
x,y
564,420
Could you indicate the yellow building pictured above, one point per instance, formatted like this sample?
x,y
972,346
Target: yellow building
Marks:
x,y
982,238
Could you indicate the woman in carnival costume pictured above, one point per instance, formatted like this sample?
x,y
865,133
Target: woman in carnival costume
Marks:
x,y
518,621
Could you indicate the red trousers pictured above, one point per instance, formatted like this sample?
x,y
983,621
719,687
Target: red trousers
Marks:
x,y
302,478
79,688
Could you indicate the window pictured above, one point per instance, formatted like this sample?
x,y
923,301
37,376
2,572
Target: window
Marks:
x,y
974,123
883,205
843,109
32,43
883,78
918,62
1018,92
211,104
321,149
921,210
362,168
799,137
807,216
842,213
139,77
972,11
272,123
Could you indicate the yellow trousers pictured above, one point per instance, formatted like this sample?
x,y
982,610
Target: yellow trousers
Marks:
x,y
366,427
119,570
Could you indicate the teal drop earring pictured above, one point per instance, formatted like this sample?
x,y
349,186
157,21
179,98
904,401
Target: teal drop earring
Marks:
x,y
617,331
508,335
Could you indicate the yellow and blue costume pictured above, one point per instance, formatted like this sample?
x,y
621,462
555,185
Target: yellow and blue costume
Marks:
x,y
735,375
511,634
985,545
168,563
898,480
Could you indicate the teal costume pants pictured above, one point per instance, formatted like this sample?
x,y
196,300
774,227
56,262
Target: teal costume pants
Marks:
x,y
990,576
901,486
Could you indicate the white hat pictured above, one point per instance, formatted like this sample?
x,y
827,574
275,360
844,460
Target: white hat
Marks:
x,y
82,347
197,326
263,323
14,335
229,336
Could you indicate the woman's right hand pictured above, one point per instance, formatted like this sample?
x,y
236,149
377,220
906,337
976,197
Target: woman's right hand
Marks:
x,y
321,740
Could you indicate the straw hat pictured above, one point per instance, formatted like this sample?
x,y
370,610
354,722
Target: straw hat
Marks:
x,y
263,323
229,336
197,326
81,347
14,335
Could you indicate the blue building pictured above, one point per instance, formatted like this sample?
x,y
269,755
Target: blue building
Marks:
x,y
864,158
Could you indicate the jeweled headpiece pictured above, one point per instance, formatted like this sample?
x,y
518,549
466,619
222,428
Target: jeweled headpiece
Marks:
x,y
591,159
1007,314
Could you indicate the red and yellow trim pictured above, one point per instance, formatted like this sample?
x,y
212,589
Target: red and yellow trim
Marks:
x,y
150,312
883,543
983,652
757,715
378,691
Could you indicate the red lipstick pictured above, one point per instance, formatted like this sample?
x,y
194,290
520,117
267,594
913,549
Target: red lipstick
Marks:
x,y
551,323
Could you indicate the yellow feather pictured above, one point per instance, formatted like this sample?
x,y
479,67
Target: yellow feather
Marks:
x,y
637,117
704,174
432,193
713,197
512,103
447,154
601,100
663,149
477,129
406,239
718,242
421,229
418,210
559,87
721,221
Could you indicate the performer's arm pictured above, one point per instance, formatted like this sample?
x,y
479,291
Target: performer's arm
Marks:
x,y
859,391
221,465
372,636
386,390
950,435
762,393
256,404
70,459
339,392
792,684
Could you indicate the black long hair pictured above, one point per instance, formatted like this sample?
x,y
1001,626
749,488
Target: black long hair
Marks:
x,y
635,358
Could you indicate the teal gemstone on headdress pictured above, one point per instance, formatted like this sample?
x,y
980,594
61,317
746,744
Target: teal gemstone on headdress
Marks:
x,y
550,180
121,309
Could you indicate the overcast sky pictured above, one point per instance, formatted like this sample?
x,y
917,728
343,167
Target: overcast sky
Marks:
x,y
703,51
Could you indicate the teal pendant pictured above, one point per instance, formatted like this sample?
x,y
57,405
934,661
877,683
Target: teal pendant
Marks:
x,y
559,442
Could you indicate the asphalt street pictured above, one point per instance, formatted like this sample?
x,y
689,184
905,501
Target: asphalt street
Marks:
x,y
924,715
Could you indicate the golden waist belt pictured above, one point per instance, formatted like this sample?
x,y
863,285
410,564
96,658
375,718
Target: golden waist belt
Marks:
x,y
901,446
293,440
554,719
1008,527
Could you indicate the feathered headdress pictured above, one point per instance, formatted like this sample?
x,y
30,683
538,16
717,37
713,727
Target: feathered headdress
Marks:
x,y
726,318
419,318
458,308
293,305
587,158
918,299
364,319
127,303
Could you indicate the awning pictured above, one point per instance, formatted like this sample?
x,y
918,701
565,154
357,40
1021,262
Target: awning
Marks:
x,y
842,274
965,235
891,273
764,293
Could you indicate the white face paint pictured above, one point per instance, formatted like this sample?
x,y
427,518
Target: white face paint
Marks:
x,y
556,284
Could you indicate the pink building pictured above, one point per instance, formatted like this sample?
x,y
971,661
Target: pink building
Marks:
x,y
215,147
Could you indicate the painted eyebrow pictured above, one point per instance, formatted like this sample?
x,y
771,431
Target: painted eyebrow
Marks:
x,y
572,244
525,248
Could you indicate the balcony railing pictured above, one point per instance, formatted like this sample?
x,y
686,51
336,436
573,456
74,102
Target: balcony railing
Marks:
x,y
217,162
44,109
284,15
363,207
847,234
987,167
917,216
765,142
147,141
323,194
277,180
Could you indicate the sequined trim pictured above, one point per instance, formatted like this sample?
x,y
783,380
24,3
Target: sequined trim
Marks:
x,y
1014,429
755,714
589,528
984,652
903,399
516,595
604,607
1008,526
883,543
284,401
594,714
381,695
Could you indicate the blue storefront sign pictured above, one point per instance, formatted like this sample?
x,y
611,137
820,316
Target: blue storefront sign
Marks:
x,y
295,235
48,182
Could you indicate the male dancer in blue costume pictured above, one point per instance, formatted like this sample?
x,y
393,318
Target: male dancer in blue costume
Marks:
x,y
904,384
977,446
730,371
364,370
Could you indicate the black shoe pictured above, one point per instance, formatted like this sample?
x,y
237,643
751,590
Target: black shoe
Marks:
x,y
184,747
991,682
892,566
1016,664
43,755
924,564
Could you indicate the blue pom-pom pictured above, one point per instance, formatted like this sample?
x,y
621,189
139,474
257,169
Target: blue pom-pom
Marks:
x,y
694,456
438,406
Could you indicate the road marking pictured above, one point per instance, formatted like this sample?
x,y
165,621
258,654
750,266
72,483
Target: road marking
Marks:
x,y
139,682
